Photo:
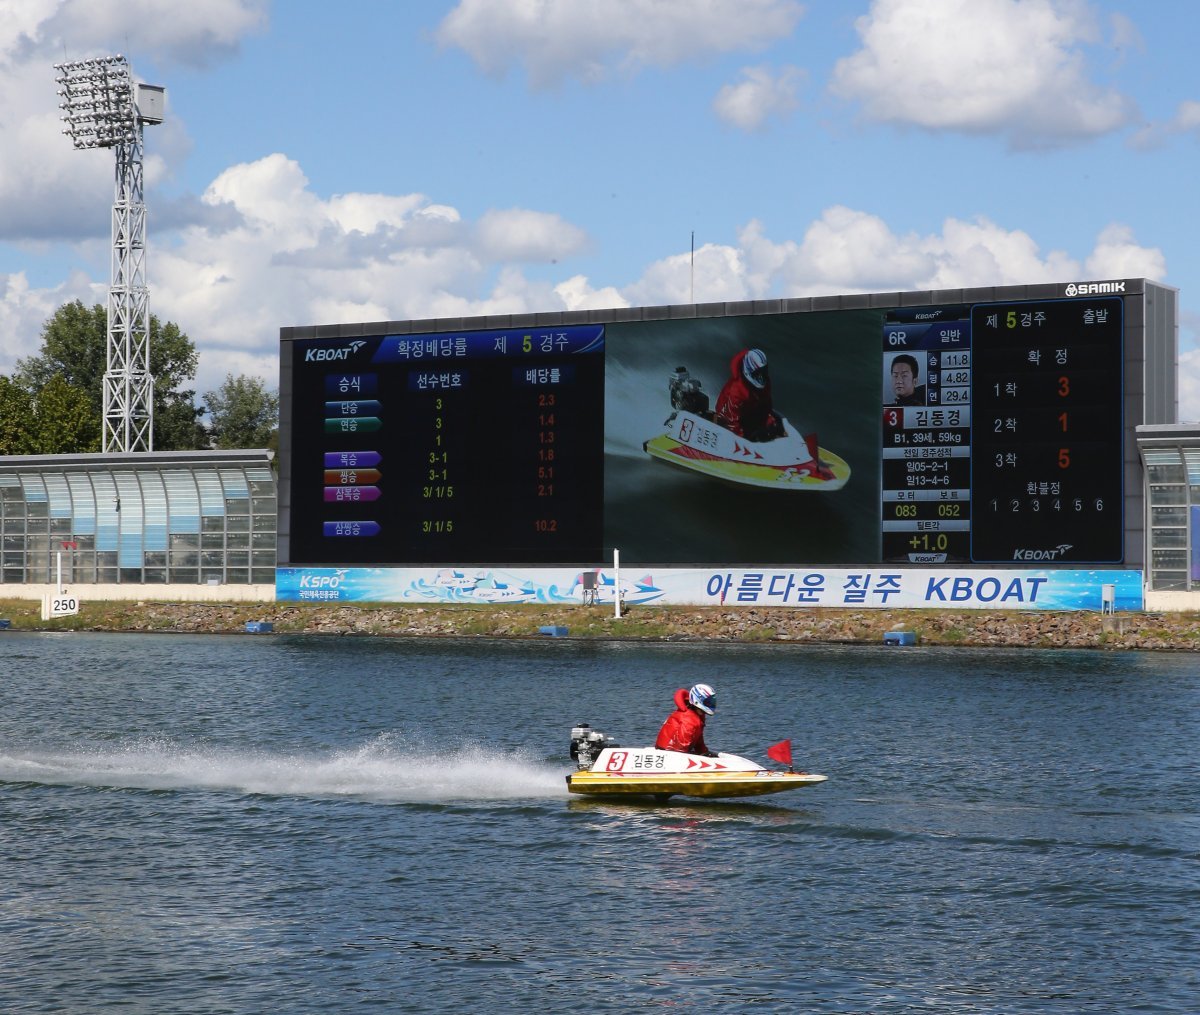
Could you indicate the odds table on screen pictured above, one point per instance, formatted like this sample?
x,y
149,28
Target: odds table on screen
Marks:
x,y
472,447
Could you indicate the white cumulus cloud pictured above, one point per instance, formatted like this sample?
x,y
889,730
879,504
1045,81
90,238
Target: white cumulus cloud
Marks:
x,y
195,34
577,294
717,274
1016,68
48,190
559,39
847,250
1118,255
25,309
292,257
1188,115
1185,121
758,96
517,234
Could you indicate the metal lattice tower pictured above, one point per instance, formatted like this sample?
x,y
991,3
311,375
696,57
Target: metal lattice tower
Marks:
x,y
103,108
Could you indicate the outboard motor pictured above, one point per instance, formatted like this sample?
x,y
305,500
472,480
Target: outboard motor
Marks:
x,y
686,393
586,745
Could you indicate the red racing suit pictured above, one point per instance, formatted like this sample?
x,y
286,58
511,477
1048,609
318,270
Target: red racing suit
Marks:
x,y
684,729
743,408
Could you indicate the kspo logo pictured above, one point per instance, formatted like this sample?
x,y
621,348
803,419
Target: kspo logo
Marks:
x,y
329,355
323,581
1094,288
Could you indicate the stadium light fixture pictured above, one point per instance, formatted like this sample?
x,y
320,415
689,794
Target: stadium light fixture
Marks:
x,y
104,108
98,102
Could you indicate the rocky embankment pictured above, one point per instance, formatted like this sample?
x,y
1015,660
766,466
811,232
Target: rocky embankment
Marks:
x,y
1166,631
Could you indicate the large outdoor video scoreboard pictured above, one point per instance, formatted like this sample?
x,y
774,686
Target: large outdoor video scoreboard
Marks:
x,y
429,448
982,427
1017,452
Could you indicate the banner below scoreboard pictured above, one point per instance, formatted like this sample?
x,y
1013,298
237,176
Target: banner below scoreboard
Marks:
x,y
878,587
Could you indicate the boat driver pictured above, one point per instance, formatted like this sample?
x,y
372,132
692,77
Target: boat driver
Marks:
x,y
684,728
744,404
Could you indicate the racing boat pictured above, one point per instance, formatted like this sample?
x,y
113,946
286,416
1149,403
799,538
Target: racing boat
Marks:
x,y
607,769
695,441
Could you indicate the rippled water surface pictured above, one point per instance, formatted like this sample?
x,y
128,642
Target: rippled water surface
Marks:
x,y
260,824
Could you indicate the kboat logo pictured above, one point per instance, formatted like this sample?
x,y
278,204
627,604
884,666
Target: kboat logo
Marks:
x,y
1093,288
1056,553
332,355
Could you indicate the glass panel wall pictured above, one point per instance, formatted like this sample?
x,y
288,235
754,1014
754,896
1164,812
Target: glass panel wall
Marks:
x,y
134,521
1172,488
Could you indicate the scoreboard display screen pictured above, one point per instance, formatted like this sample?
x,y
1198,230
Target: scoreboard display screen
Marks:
x,y
974,433
1046,447
433,448
1003,439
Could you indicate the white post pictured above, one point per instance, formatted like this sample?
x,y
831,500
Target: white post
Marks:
x,y
58,573
617,583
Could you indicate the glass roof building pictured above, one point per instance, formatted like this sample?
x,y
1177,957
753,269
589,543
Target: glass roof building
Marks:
x,y
179,518
1171,467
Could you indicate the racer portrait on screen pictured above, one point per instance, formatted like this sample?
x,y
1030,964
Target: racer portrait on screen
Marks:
x,y
905,374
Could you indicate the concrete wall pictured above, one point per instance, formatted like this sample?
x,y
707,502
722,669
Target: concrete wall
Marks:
x,y
161,593
1172,602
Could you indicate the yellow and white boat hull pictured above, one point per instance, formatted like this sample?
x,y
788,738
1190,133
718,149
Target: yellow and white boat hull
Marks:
x,y
646,771
698,444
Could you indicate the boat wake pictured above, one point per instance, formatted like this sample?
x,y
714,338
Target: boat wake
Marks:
x,y
381,769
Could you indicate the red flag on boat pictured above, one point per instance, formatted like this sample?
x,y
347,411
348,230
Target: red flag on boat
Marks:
x,y
781,752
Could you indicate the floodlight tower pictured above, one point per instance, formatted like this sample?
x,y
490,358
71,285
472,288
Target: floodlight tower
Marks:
x,y
104,108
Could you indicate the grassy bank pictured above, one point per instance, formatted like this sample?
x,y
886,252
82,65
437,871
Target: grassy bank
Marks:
x,y
1174,631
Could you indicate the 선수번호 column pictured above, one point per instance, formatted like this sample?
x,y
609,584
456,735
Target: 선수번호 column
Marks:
x,y
472,447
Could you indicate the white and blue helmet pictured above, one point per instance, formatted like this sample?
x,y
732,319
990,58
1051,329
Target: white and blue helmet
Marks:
x,y
704,698
754,367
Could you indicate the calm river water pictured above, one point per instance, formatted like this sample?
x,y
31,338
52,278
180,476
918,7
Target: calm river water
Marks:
x,y
299,824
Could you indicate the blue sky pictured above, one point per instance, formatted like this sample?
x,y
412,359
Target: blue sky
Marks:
x,y
365,161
